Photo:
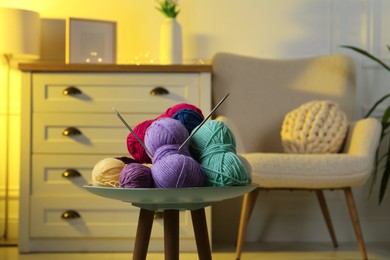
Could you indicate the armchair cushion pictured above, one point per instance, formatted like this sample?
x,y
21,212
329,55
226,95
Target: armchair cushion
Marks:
x,y
347,169
318,126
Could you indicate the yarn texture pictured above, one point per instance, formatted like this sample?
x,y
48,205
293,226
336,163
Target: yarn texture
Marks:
x,y
134,147
314,127
172,168
174,109
136,175
189,115
106,172
214,147
164,131
189,118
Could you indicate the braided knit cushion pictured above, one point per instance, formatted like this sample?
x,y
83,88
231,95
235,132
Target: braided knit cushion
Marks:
x,y
314,127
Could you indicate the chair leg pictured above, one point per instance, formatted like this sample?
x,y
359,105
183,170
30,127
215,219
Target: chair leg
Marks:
x,y
325,213
355,221
246,211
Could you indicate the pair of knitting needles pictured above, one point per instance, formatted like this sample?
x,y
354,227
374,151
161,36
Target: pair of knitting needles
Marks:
x,y
188,138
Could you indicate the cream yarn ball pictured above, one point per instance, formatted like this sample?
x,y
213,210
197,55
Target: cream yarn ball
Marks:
x,y
314,127
106,172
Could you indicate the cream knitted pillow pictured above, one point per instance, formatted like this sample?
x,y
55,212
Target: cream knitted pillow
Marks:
x,y
314,127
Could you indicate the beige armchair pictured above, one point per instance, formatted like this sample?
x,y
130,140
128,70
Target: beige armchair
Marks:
x,y
262,92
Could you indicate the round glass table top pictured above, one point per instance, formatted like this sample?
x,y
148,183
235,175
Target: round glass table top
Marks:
x,y
172,198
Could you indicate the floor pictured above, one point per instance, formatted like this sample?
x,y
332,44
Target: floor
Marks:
x,y
279,251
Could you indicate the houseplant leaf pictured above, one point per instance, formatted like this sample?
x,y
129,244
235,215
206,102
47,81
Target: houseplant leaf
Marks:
x,y
380,159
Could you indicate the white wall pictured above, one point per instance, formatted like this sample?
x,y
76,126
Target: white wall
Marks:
x,y
261,28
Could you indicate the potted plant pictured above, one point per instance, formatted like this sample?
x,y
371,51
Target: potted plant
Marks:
x,y
170,33
382,159
168,8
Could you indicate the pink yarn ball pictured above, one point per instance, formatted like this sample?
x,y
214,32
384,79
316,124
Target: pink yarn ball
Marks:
x,y
136,175
172,110
134,147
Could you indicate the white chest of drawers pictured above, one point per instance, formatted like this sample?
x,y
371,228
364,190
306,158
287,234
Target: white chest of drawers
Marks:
x,y
67,126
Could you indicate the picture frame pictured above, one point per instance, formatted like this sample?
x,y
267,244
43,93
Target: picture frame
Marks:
x,y
90,41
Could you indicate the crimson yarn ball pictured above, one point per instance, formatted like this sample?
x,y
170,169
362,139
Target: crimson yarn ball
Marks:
x,y
136,150
172,110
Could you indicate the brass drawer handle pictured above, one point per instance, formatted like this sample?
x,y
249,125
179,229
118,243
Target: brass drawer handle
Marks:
x,y
71,91
71,131
70,214
71,173
159,91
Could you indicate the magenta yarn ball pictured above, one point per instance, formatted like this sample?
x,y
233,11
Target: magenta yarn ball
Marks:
x,y
165,131
172,110
173,168
136,175
134,147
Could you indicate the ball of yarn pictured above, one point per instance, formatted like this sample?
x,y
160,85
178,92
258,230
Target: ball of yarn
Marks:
x,y
136,175
173,168
136,150
214,147
189,118
314,127
164,131
212,132
106,172
172,110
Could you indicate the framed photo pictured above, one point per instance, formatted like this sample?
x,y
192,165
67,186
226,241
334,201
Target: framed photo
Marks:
x,y
91,41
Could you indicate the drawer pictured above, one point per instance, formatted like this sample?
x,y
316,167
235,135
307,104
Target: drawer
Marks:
x,y
48,170
127,92
99,133
99,218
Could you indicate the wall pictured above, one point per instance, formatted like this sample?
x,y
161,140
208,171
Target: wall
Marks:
x,y
271,29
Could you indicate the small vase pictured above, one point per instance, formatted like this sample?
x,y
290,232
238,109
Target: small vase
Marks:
x,y
170,42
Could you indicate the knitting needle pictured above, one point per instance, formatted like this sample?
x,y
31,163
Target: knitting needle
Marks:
x,y
204,121
131,130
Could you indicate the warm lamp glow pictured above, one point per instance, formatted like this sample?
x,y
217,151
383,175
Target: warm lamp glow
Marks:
x,y
19,33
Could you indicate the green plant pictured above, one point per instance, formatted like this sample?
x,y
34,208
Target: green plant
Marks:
x,y
382,159
168,8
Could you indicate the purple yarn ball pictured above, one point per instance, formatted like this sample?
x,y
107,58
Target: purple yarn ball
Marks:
x,y
173,168
136,175
165,131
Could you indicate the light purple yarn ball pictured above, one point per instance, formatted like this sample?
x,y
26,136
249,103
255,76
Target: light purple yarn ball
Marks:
x,y
175,169
136,175
165,131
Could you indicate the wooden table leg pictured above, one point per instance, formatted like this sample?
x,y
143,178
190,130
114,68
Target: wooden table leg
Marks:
x,y
145,223
201,235
171,234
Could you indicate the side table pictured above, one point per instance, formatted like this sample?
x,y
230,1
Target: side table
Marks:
x,y
171,202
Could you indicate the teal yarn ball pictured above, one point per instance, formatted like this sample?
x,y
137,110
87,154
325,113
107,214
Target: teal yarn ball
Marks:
x,y
214,147
212,132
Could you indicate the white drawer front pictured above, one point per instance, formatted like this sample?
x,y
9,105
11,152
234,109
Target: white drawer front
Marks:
x,y
99,217
48,170
100,133
126,92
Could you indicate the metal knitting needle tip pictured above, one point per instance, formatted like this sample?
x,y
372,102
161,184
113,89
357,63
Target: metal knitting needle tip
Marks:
x,y
204,121
131,130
